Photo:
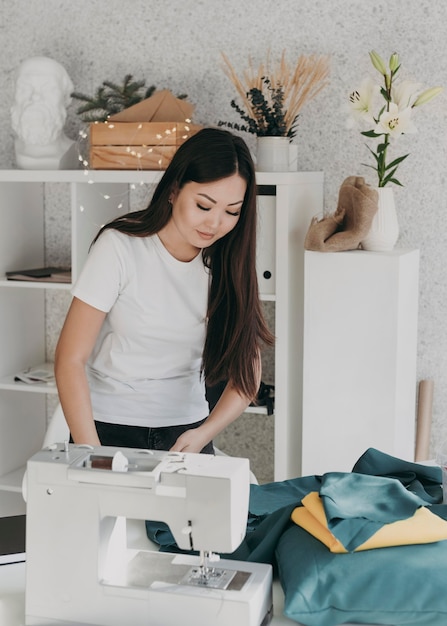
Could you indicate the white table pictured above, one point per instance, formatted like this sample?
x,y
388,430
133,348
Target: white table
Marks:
x,y
12,598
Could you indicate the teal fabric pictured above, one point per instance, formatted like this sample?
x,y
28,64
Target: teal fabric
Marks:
x,y
393,586
404,585
267,498
358,505
423,480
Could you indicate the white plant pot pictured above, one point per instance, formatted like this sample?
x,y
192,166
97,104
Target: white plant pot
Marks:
x,y
272,154
384,231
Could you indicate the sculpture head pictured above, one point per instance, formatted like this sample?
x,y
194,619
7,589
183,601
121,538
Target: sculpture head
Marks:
x,y
42,94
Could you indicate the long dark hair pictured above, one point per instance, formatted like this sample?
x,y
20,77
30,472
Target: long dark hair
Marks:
x,y
236,328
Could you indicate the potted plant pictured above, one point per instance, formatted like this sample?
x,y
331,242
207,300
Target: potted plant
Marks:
x,y
271,99
386,109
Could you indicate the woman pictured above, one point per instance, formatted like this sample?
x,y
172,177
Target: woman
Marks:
x,y
168,299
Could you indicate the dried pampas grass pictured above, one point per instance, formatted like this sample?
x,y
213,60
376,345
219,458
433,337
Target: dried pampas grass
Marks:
x,y
300,82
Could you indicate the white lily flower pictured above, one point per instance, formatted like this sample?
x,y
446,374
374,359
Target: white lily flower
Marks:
x,y
362,100
428,95
405,93
388,110
395,122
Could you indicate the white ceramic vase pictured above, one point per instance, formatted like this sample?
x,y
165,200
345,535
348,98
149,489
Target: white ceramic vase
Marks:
x,y
272,154
384,231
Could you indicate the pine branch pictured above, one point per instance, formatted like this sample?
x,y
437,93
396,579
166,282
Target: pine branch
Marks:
x,y
111,98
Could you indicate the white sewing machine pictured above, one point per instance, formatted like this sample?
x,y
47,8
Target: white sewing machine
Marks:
x,y
80,568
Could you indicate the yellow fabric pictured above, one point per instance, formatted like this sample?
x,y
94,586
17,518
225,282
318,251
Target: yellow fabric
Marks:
x,y
304,518
423,527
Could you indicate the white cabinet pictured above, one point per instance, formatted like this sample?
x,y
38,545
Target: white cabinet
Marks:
x,y
287,203
360,345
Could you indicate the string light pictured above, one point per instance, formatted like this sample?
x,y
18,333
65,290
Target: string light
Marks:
x,y
137,153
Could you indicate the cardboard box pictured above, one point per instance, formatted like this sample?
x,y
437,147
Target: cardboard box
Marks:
x,y
136,145
144,136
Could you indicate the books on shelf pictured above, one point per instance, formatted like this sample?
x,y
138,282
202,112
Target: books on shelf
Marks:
x,y
40,374
42,274
12,539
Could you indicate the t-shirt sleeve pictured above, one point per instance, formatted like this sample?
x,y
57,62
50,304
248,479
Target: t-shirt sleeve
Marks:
x,y
102,275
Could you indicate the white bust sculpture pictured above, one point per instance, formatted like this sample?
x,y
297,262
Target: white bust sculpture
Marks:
x,y
38,114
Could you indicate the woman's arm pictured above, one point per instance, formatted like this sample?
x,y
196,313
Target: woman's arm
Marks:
x,y
76,342
228,408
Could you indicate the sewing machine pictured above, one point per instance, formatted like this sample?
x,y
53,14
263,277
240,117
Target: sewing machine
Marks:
x,y
80,568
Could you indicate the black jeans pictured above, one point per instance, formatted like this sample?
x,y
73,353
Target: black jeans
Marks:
x,y
143,437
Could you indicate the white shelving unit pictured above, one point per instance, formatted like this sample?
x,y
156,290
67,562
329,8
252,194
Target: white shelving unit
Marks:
x,y
287,203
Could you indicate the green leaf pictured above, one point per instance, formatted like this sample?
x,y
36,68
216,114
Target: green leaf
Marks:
x,y
397,161
369,165
370,133
389,179
377,158
390,174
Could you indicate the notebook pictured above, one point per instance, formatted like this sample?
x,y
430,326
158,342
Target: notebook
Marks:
x,y
42,274
12,539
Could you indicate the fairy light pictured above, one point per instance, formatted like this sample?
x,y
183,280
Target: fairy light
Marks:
x,y
138,149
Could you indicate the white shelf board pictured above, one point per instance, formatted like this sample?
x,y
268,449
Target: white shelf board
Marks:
x,y
12,481
8,383
288,178
80,176
267,297
260,410
14,284
138,176
11,503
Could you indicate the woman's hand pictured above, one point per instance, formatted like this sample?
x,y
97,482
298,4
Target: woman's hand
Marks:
x,y
228,408
192,440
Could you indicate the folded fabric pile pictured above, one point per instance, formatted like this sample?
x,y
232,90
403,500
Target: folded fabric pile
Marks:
x,y
353,512
386,503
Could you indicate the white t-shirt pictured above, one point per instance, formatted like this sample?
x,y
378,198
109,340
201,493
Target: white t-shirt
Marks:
x,y
145,367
